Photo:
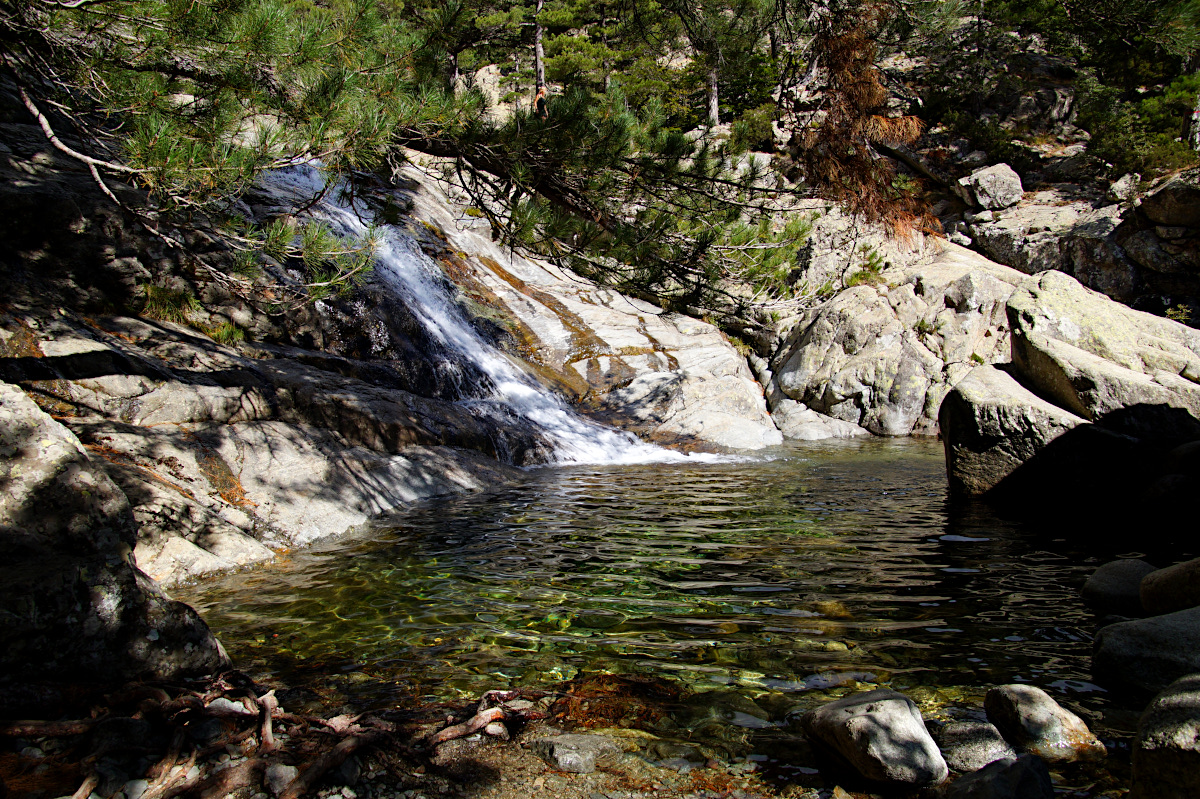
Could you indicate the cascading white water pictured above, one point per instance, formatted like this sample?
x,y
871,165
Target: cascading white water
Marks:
x,y
400,262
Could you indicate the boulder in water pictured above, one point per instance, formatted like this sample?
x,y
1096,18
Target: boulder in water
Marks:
x,y
1173,588
1033,722
1147,655
1115,587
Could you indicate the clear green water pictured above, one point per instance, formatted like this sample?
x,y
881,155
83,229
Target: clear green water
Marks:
x,y
775,584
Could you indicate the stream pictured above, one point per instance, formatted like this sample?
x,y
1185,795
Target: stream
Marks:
x,y
757,588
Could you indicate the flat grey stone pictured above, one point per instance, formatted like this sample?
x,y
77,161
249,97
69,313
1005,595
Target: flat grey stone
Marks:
x,y
578,754
970,745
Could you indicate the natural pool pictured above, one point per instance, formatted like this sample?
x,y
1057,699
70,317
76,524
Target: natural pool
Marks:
x,y
765,586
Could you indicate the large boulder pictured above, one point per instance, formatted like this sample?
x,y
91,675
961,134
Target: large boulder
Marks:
x,y
883,356
1147,655
74,604
991,425
1032,721
997,186
1094,356
1173,588
881,735
1166,753
1175,203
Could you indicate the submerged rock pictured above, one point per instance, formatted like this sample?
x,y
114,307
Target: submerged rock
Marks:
x,y
881,735
1147,655
1166,754
1013,777
1115,587
1173,588
970,745
1033,722
578,754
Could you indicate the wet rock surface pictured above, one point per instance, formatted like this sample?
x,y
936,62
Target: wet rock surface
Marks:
x,y
666,376
1115,587
1033,722
881,735
1146,655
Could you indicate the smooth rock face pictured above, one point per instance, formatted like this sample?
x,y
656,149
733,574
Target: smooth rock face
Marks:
x,y
1094,356
1033,722
578,754
1115,587
881,735
666,376
1173,588
883,357
970,745
1166,754
73,603
1023,777
991,425
993,187
1147,655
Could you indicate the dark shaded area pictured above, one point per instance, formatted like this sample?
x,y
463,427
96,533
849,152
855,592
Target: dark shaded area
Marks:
x,y
1109,475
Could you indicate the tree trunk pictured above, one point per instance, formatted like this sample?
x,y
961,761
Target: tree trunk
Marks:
x,y
539,64
1194,132
714,106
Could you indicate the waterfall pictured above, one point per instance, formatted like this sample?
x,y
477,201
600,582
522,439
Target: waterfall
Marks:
x,y
407,270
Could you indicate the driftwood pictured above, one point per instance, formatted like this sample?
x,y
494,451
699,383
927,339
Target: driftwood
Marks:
x,y
267,707
490,715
